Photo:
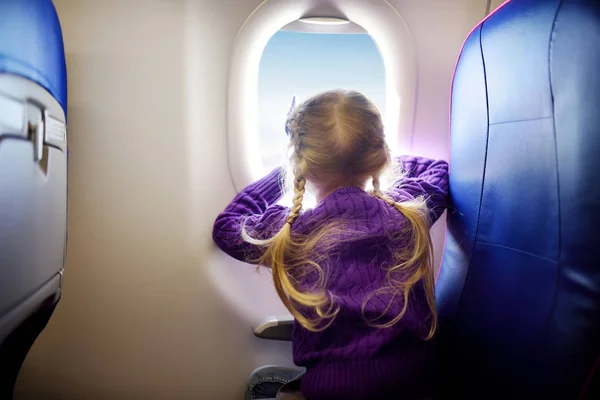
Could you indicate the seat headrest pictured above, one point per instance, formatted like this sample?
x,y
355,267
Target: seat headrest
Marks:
x,y
31,45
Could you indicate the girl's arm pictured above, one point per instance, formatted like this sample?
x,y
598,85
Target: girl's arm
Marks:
x,y
254,207
423,177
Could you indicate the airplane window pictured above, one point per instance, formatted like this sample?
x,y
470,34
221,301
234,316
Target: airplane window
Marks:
x,y
301,64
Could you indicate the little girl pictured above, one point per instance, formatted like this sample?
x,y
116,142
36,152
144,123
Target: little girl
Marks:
x,y
356,270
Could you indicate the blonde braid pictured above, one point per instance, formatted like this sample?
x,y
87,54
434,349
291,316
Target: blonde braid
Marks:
x,y
299,189
378,193
284,254
418,254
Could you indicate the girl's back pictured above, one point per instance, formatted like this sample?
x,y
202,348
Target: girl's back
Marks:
x,y
354,271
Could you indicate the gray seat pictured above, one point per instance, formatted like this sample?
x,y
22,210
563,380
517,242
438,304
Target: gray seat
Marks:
x,y
33,176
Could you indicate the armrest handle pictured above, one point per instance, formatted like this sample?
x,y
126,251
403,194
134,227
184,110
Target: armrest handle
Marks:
x,y
275,328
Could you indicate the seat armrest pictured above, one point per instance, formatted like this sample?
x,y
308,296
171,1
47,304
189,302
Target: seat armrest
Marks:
x,y
275,328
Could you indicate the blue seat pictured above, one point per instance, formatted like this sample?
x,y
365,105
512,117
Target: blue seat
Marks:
x,y
519,289
33,176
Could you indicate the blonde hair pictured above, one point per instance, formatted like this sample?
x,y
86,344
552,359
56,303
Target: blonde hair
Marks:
x,y
338,136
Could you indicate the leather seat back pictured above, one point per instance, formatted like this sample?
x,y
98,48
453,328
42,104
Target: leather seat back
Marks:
x,y
519,288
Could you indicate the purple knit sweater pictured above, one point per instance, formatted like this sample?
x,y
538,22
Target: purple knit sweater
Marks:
x,y
349,359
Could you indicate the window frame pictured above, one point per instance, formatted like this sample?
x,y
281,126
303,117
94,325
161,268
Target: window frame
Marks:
x,y
378,18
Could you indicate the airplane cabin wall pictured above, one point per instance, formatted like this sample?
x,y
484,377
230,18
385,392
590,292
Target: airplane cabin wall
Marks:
x,y
138,317
142,316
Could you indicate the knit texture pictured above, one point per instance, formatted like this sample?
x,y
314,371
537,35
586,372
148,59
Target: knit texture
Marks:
x,y
351,360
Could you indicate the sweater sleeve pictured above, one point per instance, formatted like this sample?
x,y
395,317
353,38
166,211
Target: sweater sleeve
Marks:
x,y
253,208
426,178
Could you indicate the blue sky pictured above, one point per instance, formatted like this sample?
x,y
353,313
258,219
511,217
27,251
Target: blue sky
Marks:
x,y
302,64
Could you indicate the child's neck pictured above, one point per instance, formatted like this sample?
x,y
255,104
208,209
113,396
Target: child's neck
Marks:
x,y
322,193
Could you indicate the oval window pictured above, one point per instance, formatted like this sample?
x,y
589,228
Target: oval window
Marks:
x,y
299,64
